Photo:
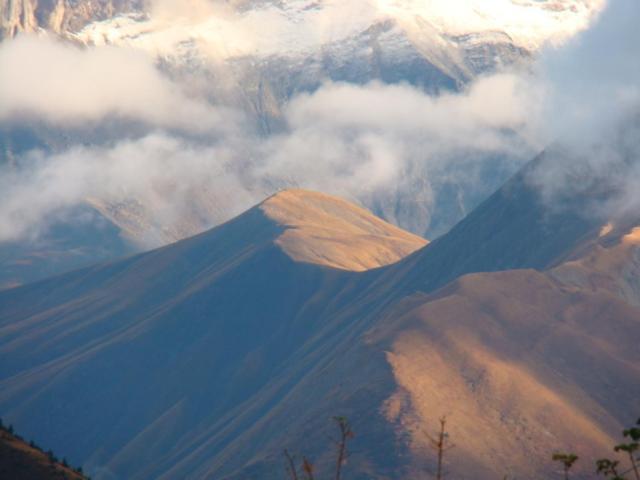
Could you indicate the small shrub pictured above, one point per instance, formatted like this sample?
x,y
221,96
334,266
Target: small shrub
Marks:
x,y
567,460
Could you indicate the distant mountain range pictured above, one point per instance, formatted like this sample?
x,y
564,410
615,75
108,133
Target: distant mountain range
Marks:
x,y
222,50
206,358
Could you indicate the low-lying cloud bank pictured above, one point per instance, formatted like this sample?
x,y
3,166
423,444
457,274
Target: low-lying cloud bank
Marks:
x,y
591,114
199,164
593,81
351,140
68,85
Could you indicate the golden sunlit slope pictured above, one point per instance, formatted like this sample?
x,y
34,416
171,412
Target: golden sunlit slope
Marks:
x,y
611,263
329,231
523,366
524,362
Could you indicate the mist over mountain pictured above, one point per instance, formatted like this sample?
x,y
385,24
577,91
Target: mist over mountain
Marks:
x,y
384,103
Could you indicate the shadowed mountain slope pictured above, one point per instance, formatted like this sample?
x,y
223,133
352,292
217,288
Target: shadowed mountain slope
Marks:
x,y
206,358
168,343
514,228
64,247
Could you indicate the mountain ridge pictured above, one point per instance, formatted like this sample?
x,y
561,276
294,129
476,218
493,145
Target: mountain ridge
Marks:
x,y
324,230
207,347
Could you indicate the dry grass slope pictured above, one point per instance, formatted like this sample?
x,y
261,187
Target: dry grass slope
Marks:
x,y
326,230
523,364
20,461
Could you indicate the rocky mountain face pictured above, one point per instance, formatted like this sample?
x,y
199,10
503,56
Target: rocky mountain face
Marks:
x,y
58,16
208,357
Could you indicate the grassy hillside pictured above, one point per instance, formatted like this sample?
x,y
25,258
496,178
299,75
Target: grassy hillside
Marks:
x,y
20,460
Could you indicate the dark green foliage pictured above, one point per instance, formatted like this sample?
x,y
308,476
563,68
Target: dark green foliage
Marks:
x,y
567,460
633,433
610,468
626,447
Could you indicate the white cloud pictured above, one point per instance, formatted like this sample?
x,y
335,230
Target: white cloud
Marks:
x,y
68,85
591,113
169,179
373,143
594,80
355,141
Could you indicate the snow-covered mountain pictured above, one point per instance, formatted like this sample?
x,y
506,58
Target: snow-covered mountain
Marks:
x,y
275,48
267,28
59,16
433,43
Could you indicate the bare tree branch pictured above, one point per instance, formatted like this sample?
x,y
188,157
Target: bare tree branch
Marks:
x,y
291,467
